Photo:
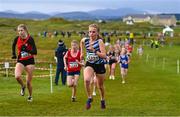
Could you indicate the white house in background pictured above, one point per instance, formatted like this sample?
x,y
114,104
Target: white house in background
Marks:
x,y
129,22
166,20
137,18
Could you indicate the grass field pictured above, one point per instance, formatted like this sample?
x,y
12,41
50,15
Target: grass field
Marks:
x,y
151,90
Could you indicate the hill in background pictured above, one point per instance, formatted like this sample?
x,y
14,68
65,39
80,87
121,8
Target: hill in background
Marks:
x,y
105,14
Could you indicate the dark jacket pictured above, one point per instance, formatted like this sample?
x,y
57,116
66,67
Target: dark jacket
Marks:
x,y
59,53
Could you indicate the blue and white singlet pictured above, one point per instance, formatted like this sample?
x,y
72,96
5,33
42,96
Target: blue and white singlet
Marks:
x,y
92,57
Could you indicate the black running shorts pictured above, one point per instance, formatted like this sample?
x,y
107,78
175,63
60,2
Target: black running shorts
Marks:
x,y
27,62
98,68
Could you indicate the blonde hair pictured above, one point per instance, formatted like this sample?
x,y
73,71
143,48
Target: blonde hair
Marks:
x,y
23,26
125,51
75,41
95,26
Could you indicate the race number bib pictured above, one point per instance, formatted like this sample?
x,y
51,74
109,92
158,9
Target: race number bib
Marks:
x,y
113,57
92,57
73,64
124,61
24,54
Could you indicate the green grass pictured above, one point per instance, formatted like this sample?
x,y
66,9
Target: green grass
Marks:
x,y
149,91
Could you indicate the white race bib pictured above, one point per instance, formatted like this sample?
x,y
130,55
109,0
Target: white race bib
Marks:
x,y
92,57
73,64
24,54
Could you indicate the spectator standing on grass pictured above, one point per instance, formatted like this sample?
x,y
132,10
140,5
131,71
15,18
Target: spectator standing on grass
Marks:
x,y
152,43
59,54
156,43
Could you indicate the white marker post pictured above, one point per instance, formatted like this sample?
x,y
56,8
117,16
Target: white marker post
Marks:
x,y
51,78
6,66
178,66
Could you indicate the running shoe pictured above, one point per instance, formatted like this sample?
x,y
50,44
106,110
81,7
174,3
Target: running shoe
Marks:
x,y
30,99
88,103
22,93
73,99
103,105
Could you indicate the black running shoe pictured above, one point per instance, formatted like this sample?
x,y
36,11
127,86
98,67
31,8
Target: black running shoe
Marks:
x,y
30,99
103,105
73,99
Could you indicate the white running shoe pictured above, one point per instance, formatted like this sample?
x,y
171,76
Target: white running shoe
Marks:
x,y
110,77
22,93
123,82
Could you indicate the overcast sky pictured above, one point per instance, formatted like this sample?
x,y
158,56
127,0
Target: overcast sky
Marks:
x,y
48,6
